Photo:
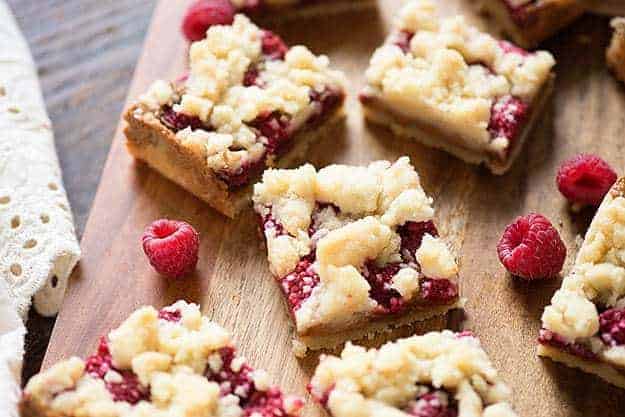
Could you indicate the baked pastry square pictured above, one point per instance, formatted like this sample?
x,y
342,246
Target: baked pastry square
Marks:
x,y
529,22
249,102
354,249
450,86
584,327
172,362
442,374
286,9
615,54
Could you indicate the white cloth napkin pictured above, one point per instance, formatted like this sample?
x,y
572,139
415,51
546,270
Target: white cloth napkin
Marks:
x,y
11,352
38,246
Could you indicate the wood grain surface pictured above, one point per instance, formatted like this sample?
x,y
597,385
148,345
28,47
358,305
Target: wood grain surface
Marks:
x,y
86,51
232,282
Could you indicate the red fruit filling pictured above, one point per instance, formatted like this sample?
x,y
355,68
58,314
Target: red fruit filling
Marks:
x,y
435,403
170,315
273,46
507,117
171,247
585,179
205,13
128,390
612,327
438,291
251,77
238,382
549,338
268,223
465,333
411,234
531,248
380,279
402,39
510,48
273,129
177,121
299,284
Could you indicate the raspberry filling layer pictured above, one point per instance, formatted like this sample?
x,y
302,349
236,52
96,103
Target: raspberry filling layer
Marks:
x,y
612,327
273,129
126,387
434,403
549,338
299,284
507,118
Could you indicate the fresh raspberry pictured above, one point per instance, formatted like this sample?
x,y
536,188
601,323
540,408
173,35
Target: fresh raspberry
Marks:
x,y
612,326
585,179
128,390
205,13
531,248
438,291
273,46
172,247
436,403
507,115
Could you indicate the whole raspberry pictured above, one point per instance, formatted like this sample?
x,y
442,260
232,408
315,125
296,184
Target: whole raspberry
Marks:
x,y
612,326
585,179
171,246
531,248
205,13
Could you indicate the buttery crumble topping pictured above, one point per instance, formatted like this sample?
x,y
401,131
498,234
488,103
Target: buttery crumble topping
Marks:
x,y
217,96
176,359
389,381
449,73
596,284
345,220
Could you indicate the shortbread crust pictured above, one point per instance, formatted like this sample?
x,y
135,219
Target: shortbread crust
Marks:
x,y
354,249
158,364
439,373
579,325
246,104
448,85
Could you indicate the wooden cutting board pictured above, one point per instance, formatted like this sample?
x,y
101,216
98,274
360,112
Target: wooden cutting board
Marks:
x,y
232,282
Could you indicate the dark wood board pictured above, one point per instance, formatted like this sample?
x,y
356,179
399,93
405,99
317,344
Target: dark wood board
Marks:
x,y
232,281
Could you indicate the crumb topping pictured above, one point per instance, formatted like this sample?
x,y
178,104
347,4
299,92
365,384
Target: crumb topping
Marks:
x,y
597,282
345,221
221,103
174,356
447,72
388,381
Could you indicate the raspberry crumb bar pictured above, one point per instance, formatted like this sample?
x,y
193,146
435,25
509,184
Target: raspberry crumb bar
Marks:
x,y
450,86
166,363
354,250
616,52
529,22
249,102
439,374
584,327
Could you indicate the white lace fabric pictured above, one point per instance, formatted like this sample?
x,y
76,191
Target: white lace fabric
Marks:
x,y
38,246
11,352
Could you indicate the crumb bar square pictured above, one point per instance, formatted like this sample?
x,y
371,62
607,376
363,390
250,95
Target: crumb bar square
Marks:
x,y
354,250
276,10
441,374
584,327
444,83
529,22
615,54
249,102
172,362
